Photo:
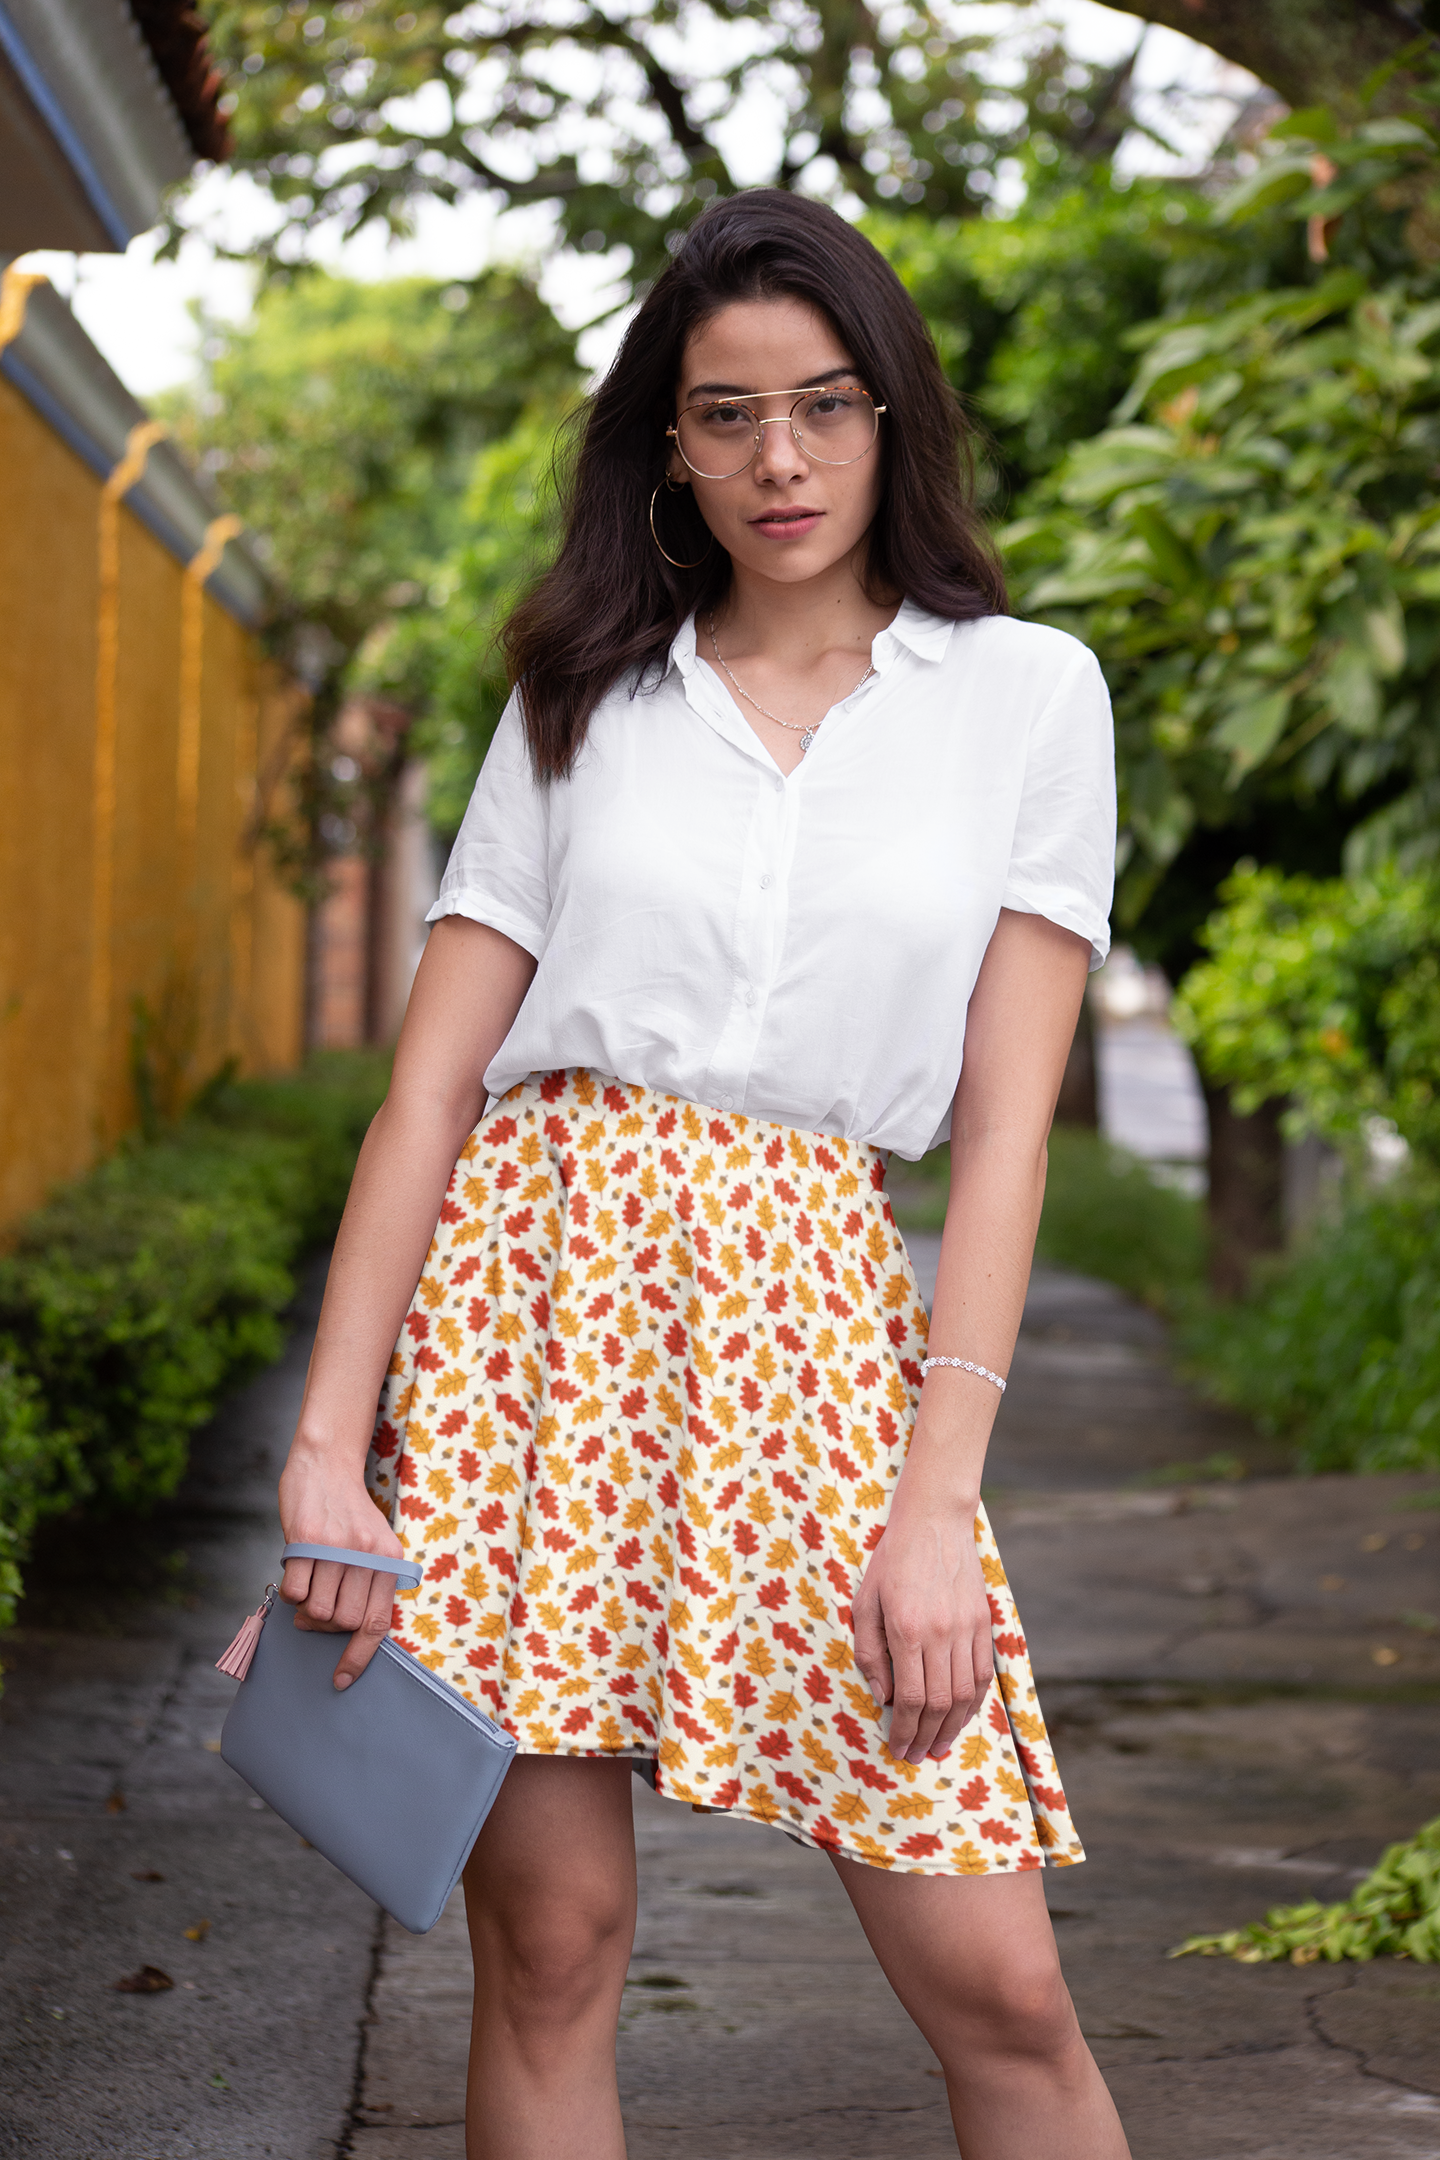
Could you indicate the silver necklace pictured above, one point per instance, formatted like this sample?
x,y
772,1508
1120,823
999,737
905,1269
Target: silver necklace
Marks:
x,y
803,728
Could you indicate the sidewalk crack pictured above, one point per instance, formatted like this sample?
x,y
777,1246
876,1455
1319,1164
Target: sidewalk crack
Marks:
x,y
1344,2047
355,2110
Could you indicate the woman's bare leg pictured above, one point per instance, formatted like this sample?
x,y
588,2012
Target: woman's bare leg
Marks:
x,y
973,1959
550,1900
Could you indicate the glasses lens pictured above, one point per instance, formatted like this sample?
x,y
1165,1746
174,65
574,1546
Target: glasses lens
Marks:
x,y
716,440
836,426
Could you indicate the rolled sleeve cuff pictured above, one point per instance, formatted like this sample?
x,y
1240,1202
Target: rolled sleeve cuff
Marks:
x,y
478,907
1068,913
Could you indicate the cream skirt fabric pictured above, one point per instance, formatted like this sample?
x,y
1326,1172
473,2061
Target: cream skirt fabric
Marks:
x,y
641,1429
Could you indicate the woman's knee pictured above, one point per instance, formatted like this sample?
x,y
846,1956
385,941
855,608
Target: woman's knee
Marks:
x,y
1019,2009
555,1960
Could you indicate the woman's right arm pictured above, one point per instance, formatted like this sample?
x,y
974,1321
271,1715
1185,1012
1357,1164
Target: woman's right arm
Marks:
x,y
469,987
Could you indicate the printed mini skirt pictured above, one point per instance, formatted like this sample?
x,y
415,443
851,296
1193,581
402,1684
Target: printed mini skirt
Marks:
x,y
641,1430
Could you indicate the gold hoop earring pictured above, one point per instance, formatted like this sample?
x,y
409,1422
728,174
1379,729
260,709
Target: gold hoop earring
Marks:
x,y
666,483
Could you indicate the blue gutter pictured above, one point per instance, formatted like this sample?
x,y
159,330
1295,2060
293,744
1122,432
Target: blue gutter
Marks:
x,y
43,98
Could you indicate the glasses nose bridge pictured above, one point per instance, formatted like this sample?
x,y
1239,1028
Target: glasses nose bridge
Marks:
x,y
781,419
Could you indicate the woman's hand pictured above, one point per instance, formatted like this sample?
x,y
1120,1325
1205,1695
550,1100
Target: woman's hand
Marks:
x,y
922,1624
317,1507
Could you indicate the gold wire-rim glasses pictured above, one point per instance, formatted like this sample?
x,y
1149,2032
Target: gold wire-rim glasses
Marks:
x,y
744,405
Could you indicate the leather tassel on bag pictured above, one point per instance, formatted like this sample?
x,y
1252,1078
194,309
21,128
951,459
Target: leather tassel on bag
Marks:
x,y
236,1661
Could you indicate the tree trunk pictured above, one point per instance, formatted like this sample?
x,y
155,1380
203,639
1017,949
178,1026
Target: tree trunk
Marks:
x,y
1247,1189
1079,1102
1314,52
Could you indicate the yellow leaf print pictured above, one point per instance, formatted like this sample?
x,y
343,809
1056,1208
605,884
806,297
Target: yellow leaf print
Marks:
x,y
562,1285
643,1364
992,1570
630,1125
396,1365
432,1290
502,1479
495,1279
627,1320
895,1293
662,1555
870,1495
609,1734
718,1712
540,1579
697,1666
824,1346
530,1367
763,1361
669,1406
849,1808
723,1412
660,1224
782,1260
861,1701
587,1412
703,1361
620,1466
722,1609
605,1225
443,1528
530,1150
758,1659
1012,1786
839,1657
974,1750
571,1654
782,1554
782,1408
782,1706
449,1335
453,1382
764,1804
723,1756
593,1134
811,1599
798,1150
734,1306
819,1754
671,1753
614,1615
806,1449
578,1515
482,1433
1028,1727
765,1213
861,1331
847,1547
726,1457
638,1513
805,1296
718,1561
475,1582
697,1511
968,1859
440,1483
896,1396
510,1326
840,1387
678,1616
760,1508
907,1804
550,1224
680,1261
426,1628
550,1616
730,1260
542,1739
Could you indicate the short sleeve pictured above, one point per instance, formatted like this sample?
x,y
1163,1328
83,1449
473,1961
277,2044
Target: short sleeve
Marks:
x,y
1062,860
498,869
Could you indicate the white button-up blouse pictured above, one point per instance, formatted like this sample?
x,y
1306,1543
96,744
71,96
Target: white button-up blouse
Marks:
x,y
803,948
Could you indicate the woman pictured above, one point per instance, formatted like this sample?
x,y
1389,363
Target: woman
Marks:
x,y
784,816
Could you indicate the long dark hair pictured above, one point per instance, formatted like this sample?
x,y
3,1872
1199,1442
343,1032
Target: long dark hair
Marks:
x,y
611,603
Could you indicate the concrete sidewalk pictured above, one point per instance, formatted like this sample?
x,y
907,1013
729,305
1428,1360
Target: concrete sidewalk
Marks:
x,y
1242,1683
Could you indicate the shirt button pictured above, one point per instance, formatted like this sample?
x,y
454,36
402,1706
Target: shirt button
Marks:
x,y
724,1102
779,787
749,997
766,882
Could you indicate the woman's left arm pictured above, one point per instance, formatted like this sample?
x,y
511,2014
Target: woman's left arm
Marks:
x,y
922,1618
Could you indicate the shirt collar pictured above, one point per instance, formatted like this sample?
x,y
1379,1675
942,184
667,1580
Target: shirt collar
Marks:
x,y
925,635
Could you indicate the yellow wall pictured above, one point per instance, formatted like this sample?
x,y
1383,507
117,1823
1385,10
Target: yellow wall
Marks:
x,y
191,917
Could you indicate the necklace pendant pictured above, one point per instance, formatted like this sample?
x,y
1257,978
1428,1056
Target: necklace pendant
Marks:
x,y
806,739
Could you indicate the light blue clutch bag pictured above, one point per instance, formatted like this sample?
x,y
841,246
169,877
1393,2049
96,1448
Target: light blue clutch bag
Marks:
x,y
390,1778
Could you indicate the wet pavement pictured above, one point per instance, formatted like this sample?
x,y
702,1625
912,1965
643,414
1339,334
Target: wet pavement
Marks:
x,y
1242,1681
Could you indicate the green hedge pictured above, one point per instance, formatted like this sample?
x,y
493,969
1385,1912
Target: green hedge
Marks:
x,y
141,1293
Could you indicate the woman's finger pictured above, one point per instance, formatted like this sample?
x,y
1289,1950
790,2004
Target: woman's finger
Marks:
x,y
353,1597
295,1582
939,1695
370,1631
964,1701
871,1655
908,1662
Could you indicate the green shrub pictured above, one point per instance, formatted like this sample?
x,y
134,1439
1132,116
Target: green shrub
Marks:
x,y
1337,1348
1395,1912
140,1293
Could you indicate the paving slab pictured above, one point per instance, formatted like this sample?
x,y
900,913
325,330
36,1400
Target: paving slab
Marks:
x,y
126,1842
1242,1682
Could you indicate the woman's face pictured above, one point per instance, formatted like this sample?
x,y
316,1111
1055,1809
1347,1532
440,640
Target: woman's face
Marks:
x,y
786,515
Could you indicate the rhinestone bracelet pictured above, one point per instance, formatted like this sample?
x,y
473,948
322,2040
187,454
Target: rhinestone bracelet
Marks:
x,y
981,1372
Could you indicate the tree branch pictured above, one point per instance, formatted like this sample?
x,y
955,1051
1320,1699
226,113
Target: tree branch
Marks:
x,y
1312,51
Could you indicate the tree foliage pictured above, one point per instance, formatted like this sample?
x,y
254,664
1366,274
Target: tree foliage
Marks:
x,y
350,110
342,423
1254,550
1328,993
